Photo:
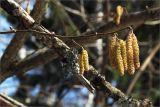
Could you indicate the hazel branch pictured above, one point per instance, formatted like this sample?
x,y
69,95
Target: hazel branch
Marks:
x,y
19,39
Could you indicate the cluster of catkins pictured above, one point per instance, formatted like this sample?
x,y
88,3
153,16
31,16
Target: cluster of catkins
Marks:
x,y
124,55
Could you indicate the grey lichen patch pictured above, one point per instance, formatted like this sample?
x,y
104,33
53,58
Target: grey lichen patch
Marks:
x,y
71,65
126,102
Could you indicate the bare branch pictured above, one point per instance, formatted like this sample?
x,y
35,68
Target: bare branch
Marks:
x,y
39,10
41,57
20,37
76,12
29,31
46,56
6,101
100,84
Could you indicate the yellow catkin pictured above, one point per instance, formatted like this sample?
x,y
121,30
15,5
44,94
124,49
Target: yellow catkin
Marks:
x,y
124,54
130,61
85,60
81,64
112,44
119,12
119,59
28,8
135,51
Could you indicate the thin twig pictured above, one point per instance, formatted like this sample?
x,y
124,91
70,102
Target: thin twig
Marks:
x,y
87,36
76,12
28,30
6,101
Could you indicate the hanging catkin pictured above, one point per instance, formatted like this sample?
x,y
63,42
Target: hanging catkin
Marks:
x,y
135,51
130,61
123,53
28,7
119,60
85,60
81,64
112,45
119,11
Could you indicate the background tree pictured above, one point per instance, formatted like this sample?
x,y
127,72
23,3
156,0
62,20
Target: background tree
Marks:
x,y
45,67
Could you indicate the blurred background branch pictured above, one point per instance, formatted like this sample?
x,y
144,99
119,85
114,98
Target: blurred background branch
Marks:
x,y
18,41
